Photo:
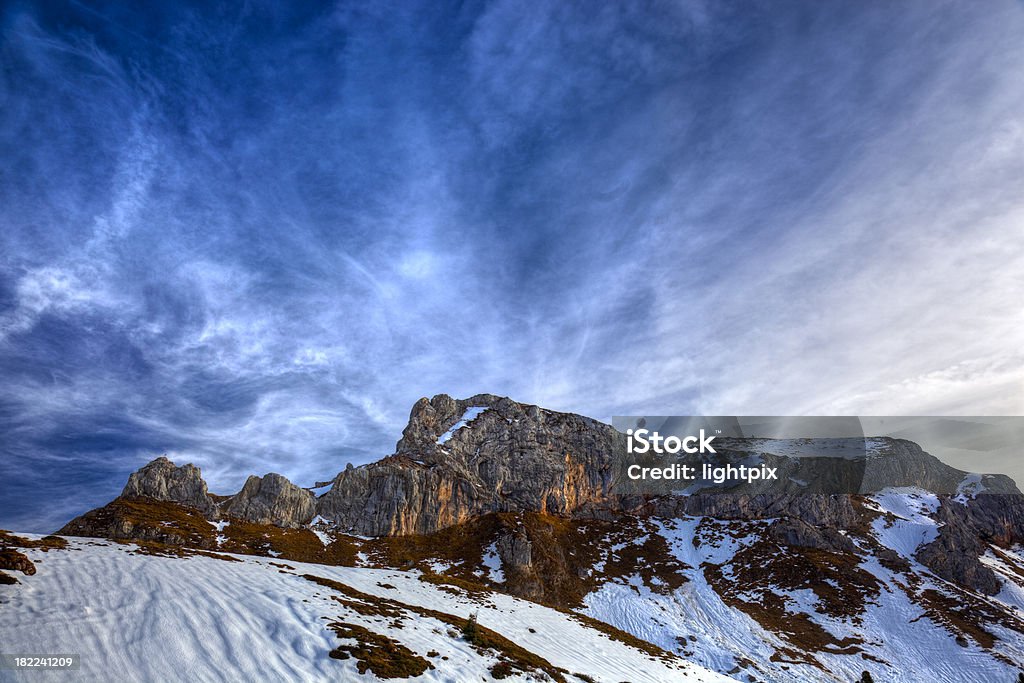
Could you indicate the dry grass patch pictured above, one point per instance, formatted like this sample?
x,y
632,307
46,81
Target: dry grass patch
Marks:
x,y
157,549
12,560
382,656
46,543
299,545
966,616
146,520
759,571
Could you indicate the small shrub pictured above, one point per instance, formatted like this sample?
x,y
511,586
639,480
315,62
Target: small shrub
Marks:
x,y
470,630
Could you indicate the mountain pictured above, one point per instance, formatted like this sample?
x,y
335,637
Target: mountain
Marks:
x,y
915,574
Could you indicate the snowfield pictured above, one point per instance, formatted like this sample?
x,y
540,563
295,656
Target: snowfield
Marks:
x,y
903,645
136,617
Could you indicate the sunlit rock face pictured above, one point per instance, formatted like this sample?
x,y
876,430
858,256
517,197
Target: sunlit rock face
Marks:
x,y
163,480
271,499
462,458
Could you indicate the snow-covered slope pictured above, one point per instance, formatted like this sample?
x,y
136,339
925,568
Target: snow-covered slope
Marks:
x,y
133,616
882,612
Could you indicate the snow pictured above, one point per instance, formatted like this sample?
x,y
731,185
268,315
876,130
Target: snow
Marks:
x,y
493,563
320,490
695,622
970,487
220,525
913,525
439,566
1012,592
149,618
316,525
471,414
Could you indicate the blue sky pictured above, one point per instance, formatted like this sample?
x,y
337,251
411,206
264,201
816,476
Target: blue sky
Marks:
x,y
252,237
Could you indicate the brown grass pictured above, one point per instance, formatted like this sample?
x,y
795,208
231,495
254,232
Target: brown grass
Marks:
x,y
299,545
157,549
384,657
46,543
963,619
759,570
169,524
564,552
11,559
145,519
471,589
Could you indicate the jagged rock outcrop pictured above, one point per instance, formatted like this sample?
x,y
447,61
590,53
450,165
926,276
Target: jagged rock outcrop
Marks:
x,y
955,554
796,532
462,458
833,510
271,499
163,480
515,550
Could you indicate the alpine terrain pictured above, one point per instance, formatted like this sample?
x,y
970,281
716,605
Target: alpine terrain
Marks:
x,y
499,542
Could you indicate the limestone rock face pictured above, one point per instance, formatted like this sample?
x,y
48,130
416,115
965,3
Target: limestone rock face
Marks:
x,y
796,532
462,458
955,554
163,480
271,499
515,550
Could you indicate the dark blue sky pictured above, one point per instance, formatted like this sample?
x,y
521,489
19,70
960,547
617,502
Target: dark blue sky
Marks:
x,y
252,238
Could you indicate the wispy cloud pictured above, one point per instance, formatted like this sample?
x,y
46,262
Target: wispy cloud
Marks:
x,y
253,240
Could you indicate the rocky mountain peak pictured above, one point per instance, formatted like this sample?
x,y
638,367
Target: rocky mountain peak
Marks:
x,y
162,480
462,458
430,419
271,499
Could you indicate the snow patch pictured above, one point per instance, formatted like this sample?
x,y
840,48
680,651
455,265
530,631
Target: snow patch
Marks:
x,y
970,487
471,414
912,524
493,563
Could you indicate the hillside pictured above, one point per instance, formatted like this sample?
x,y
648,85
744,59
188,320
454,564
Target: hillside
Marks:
x,y
134,615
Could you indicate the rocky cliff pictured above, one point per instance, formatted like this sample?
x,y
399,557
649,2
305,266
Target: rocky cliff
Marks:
x,y
163,480
461,458
271,499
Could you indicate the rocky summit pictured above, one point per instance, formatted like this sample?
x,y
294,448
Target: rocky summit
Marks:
x,y
490,494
